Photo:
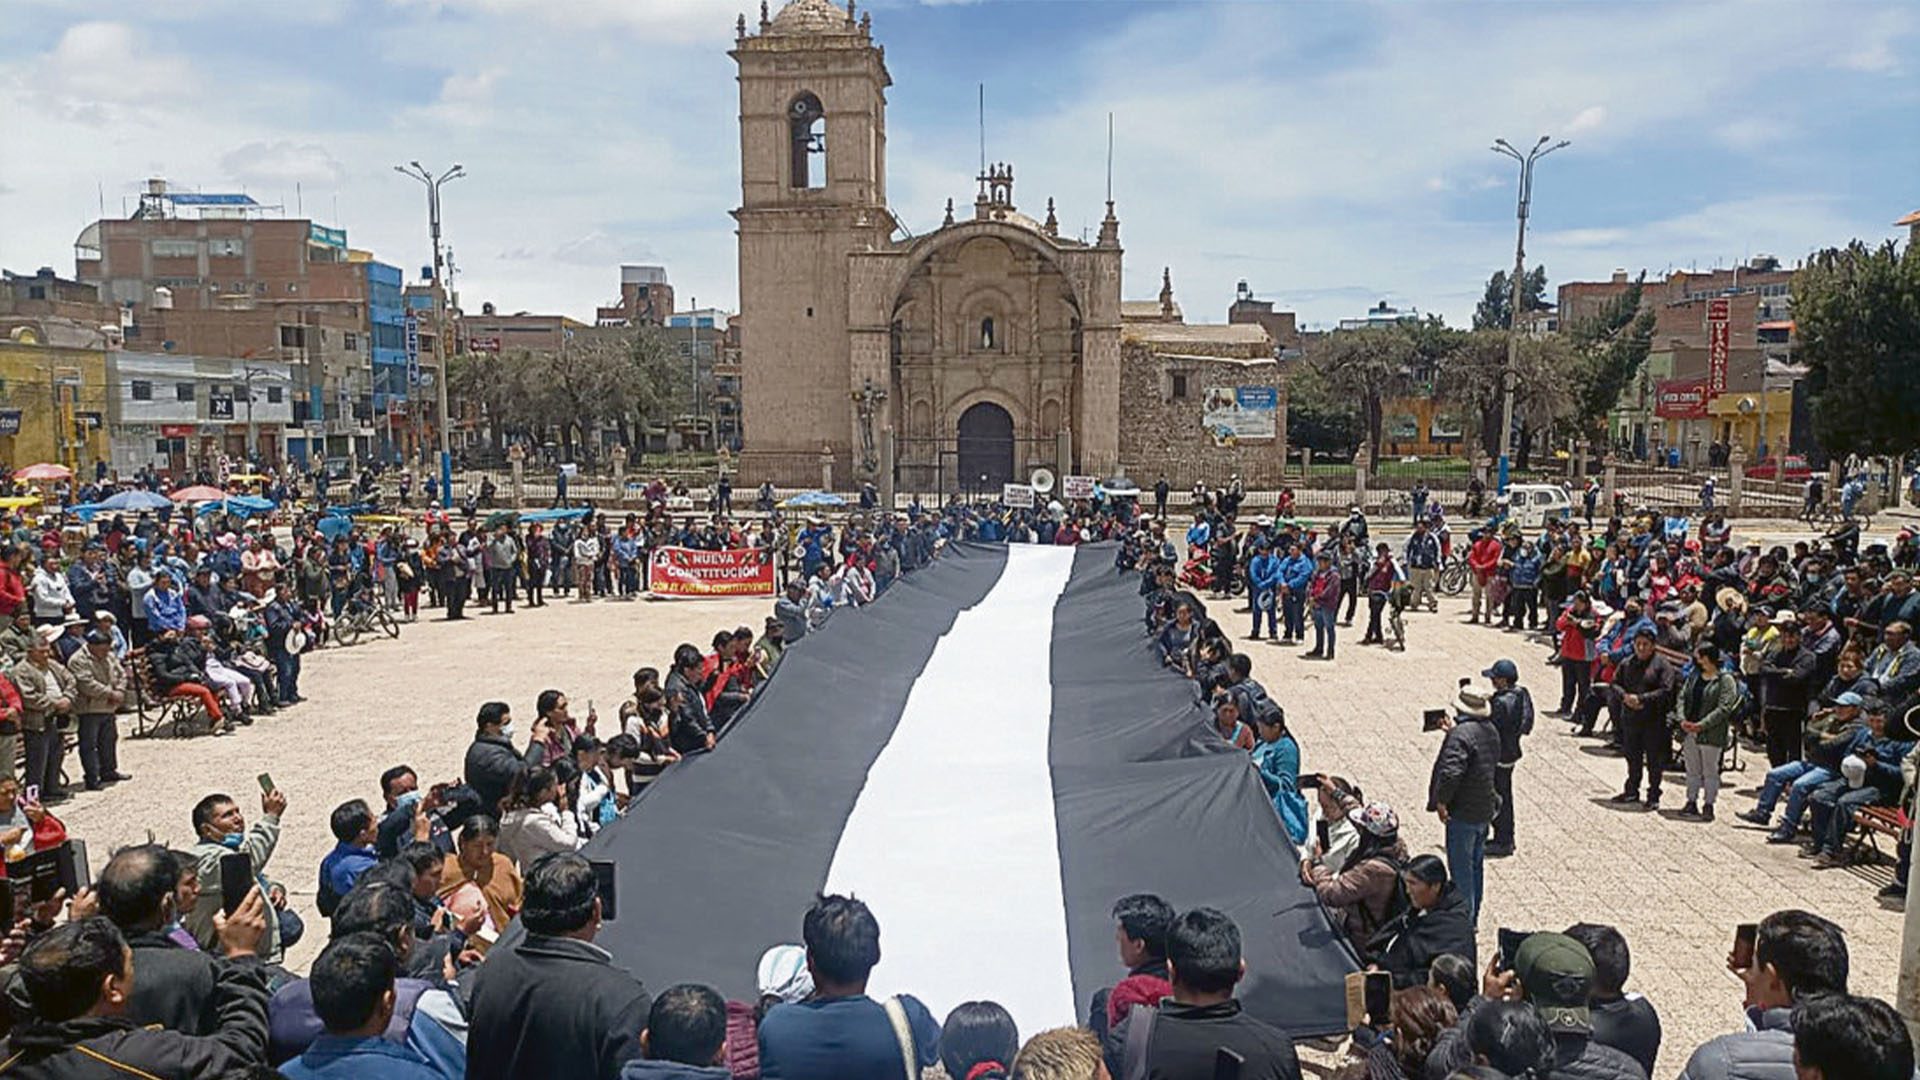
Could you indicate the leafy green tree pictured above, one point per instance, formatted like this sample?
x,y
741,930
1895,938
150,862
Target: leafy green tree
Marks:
x,y
1610,348
1857,313
1365,367
1495,310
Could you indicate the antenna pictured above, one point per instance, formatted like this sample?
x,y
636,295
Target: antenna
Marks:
x,y
1109,157
983,128
100,188
299,204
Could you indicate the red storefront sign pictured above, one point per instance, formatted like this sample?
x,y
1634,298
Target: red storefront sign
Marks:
x,y
1681,399
1719,345
176,431
677,572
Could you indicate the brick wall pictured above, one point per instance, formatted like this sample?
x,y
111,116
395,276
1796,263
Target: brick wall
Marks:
x,y
1163,435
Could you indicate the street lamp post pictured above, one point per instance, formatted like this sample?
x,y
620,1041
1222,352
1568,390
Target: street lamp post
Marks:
x,y
1526,160
433,184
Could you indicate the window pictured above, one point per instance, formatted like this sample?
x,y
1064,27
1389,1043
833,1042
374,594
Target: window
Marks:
x,y
36,292
293,337
226,247
807,135
986,332
176,249
352,342
183,391
141,389
275,395
1179,386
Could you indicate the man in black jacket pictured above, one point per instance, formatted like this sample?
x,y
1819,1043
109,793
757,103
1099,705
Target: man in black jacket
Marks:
x,y
1625,1021
1182,1039
79,981
554,1003
1513,717
492,762
173,986
1643,689
691,728
1788,671
1461,791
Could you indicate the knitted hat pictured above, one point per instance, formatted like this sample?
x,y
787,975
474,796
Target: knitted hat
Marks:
x,y
1376,818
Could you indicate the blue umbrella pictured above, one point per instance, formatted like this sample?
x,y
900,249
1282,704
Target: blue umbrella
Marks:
x,y
136,500
814,498
244,505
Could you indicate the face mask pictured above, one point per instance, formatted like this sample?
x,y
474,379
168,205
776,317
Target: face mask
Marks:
x,y
506,730
407,801
231,841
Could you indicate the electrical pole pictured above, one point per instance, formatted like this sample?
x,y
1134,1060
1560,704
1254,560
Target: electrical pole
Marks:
x,y
1540,150
433,184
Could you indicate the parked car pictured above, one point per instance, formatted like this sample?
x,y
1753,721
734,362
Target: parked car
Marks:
x,y
1792,467
1531,505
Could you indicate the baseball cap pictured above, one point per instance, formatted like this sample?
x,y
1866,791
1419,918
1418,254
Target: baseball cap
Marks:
x,y
1850,698
1502,669
1557,973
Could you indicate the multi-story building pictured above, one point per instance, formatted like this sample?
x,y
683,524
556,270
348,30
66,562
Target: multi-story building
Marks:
x,y
1381,314
646,299
223,275
701,336
395,438
180,413
54,339
490,331
1281,326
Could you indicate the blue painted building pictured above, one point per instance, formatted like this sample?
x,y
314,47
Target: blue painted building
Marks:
x,y
387,329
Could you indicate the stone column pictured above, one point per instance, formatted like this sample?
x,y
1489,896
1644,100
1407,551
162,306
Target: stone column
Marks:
x,y
619,475
517,462
889,453
1361,460
1612,484
1063,453
1736,476
826,468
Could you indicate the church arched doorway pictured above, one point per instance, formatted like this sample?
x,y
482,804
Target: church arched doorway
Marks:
x,y
986,446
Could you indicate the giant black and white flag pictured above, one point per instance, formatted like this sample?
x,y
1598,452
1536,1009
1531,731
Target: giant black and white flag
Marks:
x,y
989,757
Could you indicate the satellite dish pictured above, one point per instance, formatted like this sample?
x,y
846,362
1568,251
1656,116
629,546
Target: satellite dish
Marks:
x,y
1041,481
1747,405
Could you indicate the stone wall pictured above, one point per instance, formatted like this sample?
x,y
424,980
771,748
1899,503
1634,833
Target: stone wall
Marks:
x,y
1162,434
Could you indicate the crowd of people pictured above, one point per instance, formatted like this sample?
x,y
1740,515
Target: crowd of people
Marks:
x,y
461,915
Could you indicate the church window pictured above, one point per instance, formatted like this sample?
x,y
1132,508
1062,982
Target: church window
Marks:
x,y
807,133
1179,386
986,332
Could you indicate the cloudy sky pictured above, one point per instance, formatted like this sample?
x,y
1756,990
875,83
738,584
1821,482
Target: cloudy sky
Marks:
x,y
1330,154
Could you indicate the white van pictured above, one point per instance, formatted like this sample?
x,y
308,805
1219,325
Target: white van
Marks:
x,y
1531,506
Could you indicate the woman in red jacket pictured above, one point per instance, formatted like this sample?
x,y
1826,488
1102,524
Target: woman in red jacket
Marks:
x,y
13,587
1579,625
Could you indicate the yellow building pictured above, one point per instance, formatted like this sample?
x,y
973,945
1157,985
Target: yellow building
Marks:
x,y
1737,418
53,404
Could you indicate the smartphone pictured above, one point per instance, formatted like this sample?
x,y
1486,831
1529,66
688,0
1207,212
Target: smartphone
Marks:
x,y
236,877
32,795
40,872
1227,1063
1510,942
1433,719
1379,998
1745,937
266,783
70,867
1325,830
603,885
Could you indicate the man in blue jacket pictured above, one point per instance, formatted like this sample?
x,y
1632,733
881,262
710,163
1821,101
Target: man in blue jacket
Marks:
x,y
1263,587
1835,801
1295,571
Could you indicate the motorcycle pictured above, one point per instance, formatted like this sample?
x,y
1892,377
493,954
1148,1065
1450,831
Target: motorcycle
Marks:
x,y
1197,574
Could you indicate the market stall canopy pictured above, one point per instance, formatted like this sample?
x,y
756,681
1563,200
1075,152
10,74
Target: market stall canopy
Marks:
x,y
243,505
44,471
812,498
18,502
198,493
135,500
532,517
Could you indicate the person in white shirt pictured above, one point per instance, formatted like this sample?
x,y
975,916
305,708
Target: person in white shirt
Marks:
x,y
52,598
536,823
586,552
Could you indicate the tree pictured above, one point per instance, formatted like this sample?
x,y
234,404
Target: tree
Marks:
x,y
569,397
1365,367
1495,310
1319,417
1611,348
1472,379
1857,313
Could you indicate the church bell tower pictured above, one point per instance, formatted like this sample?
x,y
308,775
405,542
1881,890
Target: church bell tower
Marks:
x,y
813,190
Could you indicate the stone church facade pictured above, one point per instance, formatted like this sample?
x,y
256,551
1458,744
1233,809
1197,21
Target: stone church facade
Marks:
x,y
975,353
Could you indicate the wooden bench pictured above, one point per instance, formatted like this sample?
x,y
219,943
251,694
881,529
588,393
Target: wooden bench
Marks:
x,y
155,709
1877,821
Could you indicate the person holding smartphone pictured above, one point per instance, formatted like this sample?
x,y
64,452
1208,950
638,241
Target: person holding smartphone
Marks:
x,y
223,830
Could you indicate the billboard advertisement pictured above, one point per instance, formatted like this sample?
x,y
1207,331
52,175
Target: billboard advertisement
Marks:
x,y
1681,399
1237,414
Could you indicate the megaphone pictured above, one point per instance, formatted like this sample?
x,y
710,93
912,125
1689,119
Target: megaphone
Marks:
x,y
1041,481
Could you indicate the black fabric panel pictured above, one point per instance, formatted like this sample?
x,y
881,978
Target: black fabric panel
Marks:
x,y
724,852
1148,799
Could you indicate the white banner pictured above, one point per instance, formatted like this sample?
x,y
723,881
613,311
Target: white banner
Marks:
x,y
1018,496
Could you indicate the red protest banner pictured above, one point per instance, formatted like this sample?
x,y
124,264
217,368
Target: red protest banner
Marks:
x,y
680,573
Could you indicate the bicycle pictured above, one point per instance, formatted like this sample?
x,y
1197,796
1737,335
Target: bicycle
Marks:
x,y
1396,504
365,613
1453,575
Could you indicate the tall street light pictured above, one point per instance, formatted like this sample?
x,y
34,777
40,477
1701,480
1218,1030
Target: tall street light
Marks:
x,y
1526,160
433,183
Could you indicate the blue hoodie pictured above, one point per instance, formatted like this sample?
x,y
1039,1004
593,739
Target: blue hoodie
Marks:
x,y
1296,571
1264,571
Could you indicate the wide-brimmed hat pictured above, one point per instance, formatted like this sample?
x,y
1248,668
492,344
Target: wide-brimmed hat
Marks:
x,y
1471,700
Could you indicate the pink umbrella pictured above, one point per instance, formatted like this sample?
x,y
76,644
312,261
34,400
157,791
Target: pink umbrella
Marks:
x,y
198,493
44,471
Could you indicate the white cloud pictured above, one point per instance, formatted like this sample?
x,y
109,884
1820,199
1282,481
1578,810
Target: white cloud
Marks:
x,y
100,72
470,88
1589,118
282,162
